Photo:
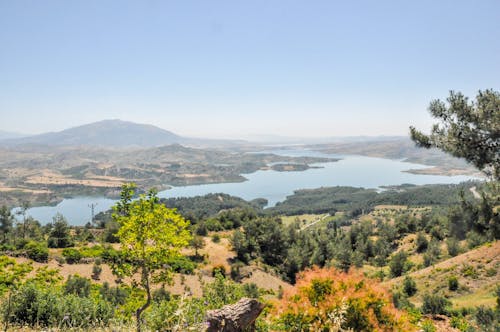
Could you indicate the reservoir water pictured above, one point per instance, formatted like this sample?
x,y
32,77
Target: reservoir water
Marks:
x,y
351,170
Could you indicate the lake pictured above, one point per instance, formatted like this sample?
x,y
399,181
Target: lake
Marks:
x,y
351,170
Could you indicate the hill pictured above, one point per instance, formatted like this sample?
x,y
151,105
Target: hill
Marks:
x,y
111,133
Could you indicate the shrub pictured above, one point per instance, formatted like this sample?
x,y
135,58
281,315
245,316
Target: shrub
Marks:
x,y
161,294
251,290
219,269
78,286
398,264
453,283
96,271
435,304
421,242
453,246
37,251
72,255
216,238
35,306
181,264
409,286
428,326
327,299
113,295
485,317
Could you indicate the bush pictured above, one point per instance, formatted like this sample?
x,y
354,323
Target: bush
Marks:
x,y
72,255
78,286
326,299
453,283
409,286
421,242
35,306
113,295
37,251
219,269
398,264
216,238
453,246
435,304
181,264
161,294
485,317
96,271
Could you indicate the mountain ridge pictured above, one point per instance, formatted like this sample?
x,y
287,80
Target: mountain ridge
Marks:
x,y
111,133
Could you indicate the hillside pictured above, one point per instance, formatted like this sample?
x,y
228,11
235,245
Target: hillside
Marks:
x,y
113,133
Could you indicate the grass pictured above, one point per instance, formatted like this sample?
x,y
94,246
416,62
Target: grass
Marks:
x,y
484,296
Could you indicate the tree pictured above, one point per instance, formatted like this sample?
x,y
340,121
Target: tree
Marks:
x,y
6,222
469,130
25,205
150,236
59,235
399,264
197,242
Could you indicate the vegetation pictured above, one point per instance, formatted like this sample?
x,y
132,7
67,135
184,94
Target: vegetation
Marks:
x,y
470,130
150,235
329,300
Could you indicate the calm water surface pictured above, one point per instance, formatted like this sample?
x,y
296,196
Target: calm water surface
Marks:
x,y
352,170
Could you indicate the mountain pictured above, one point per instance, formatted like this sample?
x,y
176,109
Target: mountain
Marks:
x,y
108,133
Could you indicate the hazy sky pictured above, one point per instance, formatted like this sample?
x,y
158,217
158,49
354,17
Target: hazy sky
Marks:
x,y
229,68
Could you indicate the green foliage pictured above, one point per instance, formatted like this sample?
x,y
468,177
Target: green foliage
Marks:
x,y
37,251
466,129
12,273
114,295
453,283
219,270
150,236
36,306
77,285
428,326
72,255
233,210
216,238
435,304
398,264
59,235
421,242
409,286
453,246
485,318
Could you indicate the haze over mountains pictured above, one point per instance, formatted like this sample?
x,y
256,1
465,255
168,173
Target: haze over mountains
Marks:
x,y
110,133
119,134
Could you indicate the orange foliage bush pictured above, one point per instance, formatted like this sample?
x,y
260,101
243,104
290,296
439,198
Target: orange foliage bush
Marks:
x,y
330,300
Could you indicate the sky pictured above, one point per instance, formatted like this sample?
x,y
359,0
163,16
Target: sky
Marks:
x,y
242,68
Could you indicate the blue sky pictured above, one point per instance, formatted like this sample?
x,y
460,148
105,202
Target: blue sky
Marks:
x,y
239,68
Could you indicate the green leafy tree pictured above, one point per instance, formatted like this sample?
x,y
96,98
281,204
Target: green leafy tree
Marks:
x,y
469,130
150,236
399,264
59,235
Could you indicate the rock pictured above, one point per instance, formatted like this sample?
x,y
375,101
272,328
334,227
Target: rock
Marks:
x,y
236,317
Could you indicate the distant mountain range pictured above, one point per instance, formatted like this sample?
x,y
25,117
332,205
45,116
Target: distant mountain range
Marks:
x,y
111,133
120,134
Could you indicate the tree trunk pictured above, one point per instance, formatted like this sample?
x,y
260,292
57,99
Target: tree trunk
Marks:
x,y
236,317
145,282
